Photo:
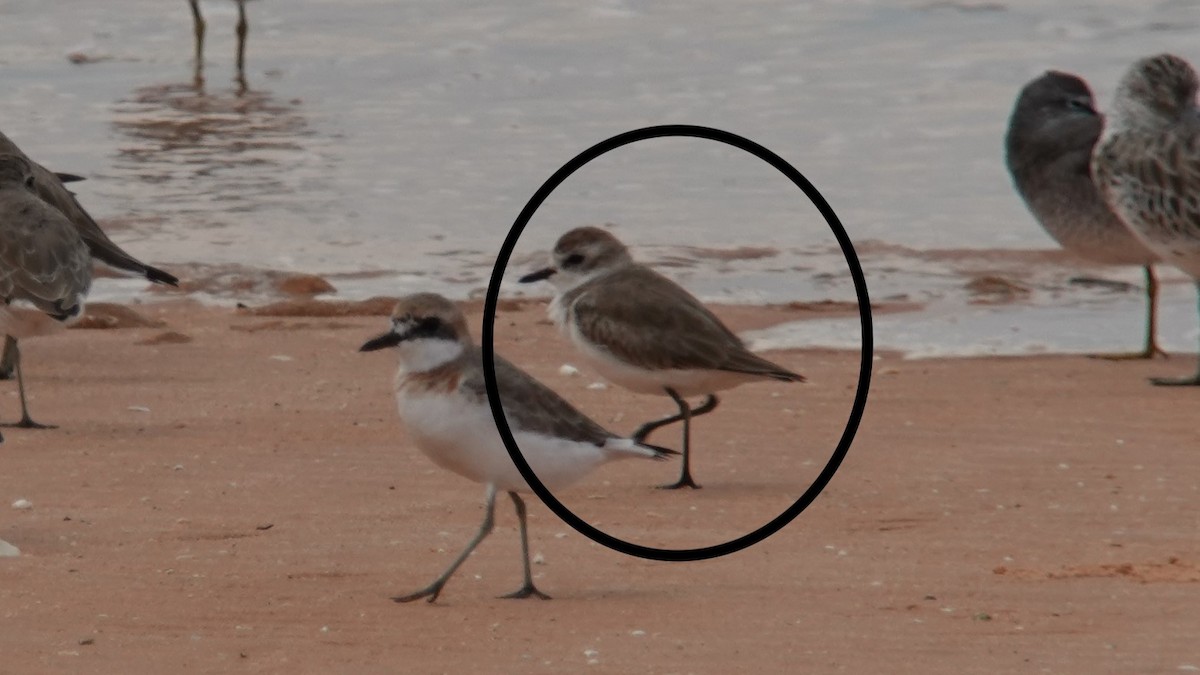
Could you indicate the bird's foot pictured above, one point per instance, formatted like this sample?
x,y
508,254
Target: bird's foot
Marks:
x,y
684,481
27,422
526,591
1146,354
431,593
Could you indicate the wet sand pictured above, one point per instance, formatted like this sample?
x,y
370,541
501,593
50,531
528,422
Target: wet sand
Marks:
x,y
234,493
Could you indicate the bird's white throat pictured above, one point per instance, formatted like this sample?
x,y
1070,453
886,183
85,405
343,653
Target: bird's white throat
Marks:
x,y
424,354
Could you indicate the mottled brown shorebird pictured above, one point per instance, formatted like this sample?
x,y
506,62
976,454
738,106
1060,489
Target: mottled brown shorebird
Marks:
x,y
200,26
1147,166
43,259
441,396
646,333
49,187
1048,148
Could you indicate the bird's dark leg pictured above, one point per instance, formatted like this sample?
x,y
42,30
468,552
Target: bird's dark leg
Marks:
x,y
1151,349
243,27
26,422
639,435
433,590
1192,381
527,589
685,477
8,362
199,27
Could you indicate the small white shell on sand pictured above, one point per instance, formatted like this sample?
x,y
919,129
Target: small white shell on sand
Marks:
x,y
568,370
22,504
7,550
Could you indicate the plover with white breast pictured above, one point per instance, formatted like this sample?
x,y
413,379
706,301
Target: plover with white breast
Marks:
x,y
48,186
646,333
442,399
43,259
1048,149
1147,165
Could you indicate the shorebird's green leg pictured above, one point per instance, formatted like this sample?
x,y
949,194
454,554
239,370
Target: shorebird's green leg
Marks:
x,y
1192,381
1151,349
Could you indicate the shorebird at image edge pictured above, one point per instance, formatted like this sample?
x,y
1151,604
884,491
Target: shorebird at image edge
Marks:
x,y
1147,165
49,187
43,259
646,333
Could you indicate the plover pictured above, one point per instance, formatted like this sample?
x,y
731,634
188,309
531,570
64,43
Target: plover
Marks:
x,y
200,26
645,332
443,402
43,259
1048,149
49,187
1147,166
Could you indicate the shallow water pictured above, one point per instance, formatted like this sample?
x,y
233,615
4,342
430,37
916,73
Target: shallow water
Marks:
x,y
390,145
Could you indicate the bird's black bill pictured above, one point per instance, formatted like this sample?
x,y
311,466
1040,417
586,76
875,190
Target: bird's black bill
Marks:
x,y
388,339
537,276
68,178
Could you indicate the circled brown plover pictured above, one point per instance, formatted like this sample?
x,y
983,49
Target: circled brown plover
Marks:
x,y
646,333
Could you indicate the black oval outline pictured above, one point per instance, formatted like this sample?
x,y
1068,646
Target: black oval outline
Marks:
x,y
488,335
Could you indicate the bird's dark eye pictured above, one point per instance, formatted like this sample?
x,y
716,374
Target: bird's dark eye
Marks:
x,y
429,324
1080,105
29,182
573,260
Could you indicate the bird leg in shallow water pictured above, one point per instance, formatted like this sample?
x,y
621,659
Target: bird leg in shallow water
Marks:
x,y
243,27
685,412
527,590
1151,349
198,26
26,422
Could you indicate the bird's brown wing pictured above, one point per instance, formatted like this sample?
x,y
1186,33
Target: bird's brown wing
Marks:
x,y
646,320
530,405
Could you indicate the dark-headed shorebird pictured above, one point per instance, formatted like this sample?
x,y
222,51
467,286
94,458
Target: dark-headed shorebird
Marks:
x,y
49,187
43,259
442,399
200,26
1048,149
1148,163
646,333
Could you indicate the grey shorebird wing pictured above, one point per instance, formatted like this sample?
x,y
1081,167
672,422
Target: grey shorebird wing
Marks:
x,y
647,320
534,407
43,259
51,190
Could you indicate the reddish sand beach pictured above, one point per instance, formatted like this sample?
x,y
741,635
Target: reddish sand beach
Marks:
x,y
231,492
